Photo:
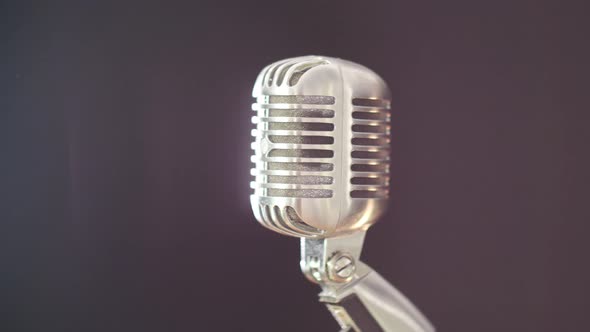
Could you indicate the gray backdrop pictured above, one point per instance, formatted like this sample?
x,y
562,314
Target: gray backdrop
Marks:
x,y
125,163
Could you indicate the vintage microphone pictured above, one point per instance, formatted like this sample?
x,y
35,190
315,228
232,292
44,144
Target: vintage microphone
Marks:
x,y
321,155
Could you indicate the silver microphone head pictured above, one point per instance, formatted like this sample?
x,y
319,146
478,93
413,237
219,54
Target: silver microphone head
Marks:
x,y
321,149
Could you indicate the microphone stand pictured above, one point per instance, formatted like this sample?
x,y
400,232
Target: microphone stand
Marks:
x,y
358,297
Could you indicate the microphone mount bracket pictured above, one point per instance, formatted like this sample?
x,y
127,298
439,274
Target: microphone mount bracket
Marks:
x,y
358,297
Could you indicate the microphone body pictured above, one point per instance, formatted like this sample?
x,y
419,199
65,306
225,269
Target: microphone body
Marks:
x,y
321,148
321,173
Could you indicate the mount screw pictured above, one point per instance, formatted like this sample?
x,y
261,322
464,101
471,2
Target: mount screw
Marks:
x,y
341,267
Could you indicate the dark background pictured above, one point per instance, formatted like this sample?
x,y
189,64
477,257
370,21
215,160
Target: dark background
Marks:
x,y
125,163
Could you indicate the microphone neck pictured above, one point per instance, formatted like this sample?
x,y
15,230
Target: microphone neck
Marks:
x,y
332,262
358,297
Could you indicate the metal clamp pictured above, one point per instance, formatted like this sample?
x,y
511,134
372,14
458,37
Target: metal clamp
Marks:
x,y
358,297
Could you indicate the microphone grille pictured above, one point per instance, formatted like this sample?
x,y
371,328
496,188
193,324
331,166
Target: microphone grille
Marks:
x,y
293,146
370,148
288,72
321,146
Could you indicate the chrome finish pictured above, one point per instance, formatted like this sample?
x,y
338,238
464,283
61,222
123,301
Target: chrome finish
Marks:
x,y
341,267
381,307
321,173
320,118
